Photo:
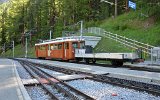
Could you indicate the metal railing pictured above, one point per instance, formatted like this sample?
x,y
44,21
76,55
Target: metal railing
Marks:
x,y
146,48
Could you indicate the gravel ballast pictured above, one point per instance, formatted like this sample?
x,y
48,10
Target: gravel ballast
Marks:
x,y
37,93
23,74
59,95
103,91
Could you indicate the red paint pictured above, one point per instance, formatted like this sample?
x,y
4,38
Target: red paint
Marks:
x,y
114,94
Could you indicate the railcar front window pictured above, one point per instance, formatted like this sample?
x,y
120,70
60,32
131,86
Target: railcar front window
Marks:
x,y
75,45
82,45
42,47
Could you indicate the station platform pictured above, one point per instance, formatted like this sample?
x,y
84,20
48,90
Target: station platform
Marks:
x,y
123,73
11,87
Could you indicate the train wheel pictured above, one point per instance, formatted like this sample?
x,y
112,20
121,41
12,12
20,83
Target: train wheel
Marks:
x,y
113,63
93,61
117,63
120,63
77,60
87,61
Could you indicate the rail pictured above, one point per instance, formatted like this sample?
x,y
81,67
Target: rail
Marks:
x,y
69,91
141,86
145,48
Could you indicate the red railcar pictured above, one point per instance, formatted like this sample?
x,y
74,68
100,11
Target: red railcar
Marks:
x,y
60,48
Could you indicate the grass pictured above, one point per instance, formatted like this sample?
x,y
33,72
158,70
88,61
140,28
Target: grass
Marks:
x,y
105,45
130,25
19,52
108,45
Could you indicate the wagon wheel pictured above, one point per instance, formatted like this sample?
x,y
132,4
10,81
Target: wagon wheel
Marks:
x,y
117,63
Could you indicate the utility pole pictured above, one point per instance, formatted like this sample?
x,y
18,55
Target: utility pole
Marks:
x,y
13,48
50,34
115,15
81,29
4,47
26,48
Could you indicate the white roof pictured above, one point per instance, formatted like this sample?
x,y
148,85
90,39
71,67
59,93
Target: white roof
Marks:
x,y
63,39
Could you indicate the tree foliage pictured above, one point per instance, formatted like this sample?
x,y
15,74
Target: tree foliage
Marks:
x,y
41,16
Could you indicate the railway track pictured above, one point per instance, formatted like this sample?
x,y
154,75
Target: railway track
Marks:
x,y
112,66
124,66
67,92
129,67
140,86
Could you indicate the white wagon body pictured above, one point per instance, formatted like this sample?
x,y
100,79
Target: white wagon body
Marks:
x,y
121,57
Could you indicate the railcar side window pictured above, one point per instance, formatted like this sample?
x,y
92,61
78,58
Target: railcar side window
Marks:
x,y
59,46
49,47
55,46
66,45
52,48
75,45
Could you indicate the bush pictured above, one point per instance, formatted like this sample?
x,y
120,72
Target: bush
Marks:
x,y
124,27
116,27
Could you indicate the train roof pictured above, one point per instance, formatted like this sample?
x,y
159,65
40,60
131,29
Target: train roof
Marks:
x,y
61,39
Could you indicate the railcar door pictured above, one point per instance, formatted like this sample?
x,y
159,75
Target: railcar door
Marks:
x,y
49,50
74,46
66,50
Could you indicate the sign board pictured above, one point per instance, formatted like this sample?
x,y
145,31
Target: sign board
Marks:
x,y
132,4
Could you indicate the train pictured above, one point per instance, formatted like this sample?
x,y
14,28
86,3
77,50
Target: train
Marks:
x,y
74,49
59,48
